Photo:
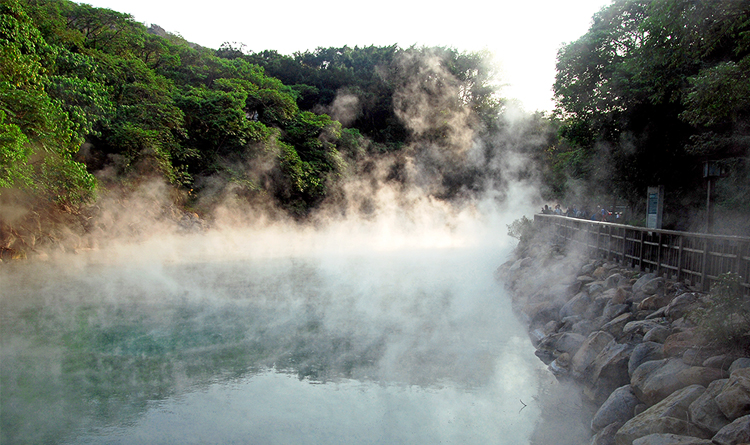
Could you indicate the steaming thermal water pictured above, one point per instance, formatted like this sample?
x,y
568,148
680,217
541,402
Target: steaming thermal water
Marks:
x,y
403,347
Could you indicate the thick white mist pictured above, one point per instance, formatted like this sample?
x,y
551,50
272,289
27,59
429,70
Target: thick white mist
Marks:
x,y
349,332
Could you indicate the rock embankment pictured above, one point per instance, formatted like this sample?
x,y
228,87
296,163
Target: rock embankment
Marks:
x,y
630,340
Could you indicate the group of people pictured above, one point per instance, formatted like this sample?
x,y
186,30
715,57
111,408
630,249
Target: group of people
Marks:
x,y
601,213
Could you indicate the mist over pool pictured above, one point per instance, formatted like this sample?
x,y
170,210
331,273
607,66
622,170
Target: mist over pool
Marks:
x,y
406,344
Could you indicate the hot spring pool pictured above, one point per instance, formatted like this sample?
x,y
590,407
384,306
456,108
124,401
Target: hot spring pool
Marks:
x,y
402,347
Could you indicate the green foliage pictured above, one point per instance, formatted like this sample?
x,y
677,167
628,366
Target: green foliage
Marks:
x,y
521,229
726,320
38,137
649,91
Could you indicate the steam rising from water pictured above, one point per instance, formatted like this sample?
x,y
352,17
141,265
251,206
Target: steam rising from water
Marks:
x,y
413,342
378,322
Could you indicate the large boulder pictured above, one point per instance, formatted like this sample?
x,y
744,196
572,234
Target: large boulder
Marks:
x,y
576,306
641,282
742,362
591,347
737,432
639,327
696,356
609,371
607,435
612,310
615,280
595,287
704,411
619,407
569,342
679,342
670,439
644,352
723,362
665,417
539,312
658,334
654,380
653,302
651,287
734,398
617,324
682,305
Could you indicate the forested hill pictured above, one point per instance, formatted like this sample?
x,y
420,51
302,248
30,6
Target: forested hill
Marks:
x,y
94,104
142,103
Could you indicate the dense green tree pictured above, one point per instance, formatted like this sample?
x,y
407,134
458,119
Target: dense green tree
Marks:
x,y
652,90
39,140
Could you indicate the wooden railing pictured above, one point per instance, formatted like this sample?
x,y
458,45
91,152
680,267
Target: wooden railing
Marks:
x,y
693,258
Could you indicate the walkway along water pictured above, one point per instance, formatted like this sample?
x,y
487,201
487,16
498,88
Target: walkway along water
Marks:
x,y
620,313
696,258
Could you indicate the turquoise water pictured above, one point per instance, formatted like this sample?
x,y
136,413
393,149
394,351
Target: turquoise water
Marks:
x,y
402,347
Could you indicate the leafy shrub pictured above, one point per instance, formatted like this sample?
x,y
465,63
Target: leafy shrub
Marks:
x,y
521,229
726,319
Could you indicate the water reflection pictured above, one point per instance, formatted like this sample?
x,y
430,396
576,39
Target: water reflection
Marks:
x,y
388,349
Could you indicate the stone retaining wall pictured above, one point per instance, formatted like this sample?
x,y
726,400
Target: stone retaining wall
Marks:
x,y
629,342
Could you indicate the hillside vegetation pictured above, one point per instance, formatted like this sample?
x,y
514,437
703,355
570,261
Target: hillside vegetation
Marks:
x,y
94,104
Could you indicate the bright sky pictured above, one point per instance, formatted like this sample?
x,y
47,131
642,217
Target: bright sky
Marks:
x,y
524,35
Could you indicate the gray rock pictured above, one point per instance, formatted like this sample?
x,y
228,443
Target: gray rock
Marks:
x,y
588,269
679,342
523,262
576,306
607,435
645,352
696,356
589,350
657,334
617,324
653,381
653,286
628,433
665,417
723,362
612,311
643,280
704,411
609,371
561,365
659,313
737,432
740,363
681,306
670,439
569,342
614,280
596,287
618,407
585,327
639,327
734,398
585,279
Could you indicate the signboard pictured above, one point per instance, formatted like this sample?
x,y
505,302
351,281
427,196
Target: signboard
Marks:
x,y
654,207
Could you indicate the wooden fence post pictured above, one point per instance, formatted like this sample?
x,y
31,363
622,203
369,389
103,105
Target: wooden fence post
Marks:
x,y
640,256
658,257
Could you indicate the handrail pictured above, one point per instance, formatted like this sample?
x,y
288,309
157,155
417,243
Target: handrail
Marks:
x,y
694,258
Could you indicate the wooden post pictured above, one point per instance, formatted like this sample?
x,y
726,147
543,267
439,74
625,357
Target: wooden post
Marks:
x,y
643,243
624,245
704,267
679,258
658,257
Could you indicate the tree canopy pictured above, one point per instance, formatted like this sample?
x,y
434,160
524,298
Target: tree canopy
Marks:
x,y
146,103
651,91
